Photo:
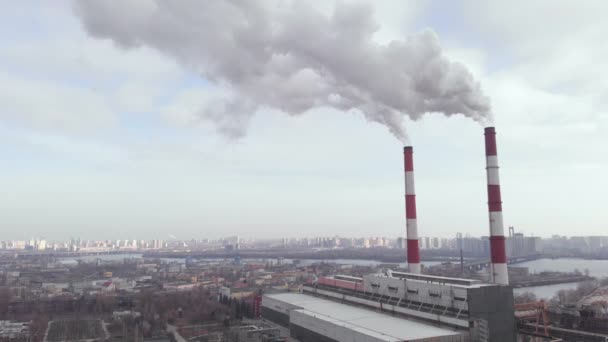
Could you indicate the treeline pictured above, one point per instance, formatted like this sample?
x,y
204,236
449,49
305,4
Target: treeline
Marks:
x,y
239,308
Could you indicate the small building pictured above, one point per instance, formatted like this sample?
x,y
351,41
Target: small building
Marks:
x,y
236,293
180,286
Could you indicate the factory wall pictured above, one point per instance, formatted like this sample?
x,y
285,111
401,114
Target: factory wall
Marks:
x,y
277,311
494,304
275,316
304,335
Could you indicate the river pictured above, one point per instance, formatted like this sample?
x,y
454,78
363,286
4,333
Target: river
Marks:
x,y
596,268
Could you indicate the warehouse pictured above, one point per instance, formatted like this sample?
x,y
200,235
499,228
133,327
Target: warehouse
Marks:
x,y
315,319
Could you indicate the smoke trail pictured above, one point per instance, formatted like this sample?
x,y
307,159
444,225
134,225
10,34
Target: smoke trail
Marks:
x,y
287,55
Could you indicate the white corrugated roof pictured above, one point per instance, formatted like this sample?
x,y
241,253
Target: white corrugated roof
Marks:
x,y
388,328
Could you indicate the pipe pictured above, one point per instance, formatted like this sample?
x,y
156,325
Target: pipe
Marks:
x,y
413,248
499,271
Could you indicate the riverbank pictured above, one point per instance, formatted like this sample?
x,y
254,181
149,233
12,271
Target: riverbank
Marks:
x,y
545,292
551,281
594,268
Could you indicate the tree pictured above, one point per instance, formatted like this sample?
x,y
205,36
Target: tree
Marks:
x,y
5,298
525,297
237,310
564,297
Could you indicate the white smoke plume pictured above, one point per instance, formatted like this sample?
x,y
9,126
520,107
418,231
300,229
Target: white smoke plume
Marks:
x,y
287,55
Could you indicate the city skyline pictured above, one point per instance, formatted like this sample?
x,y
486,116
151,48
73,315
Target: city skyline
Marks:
x,y
104,141
220,236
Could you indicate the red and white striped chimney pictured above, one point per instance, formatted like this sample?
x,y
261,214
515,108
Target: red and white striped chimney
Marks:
x,y
413,249
499,273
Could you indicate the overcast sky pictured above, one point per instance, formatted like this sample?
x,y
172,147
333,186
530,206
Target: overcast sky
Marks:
x,y
102,138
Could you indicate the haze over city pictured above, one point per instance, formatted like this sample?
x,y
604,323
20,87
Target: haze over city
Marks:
x,y
104,139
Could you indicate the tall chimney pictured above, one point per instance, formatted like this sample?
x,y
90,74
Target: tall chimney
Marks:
x,y
413,249
499,273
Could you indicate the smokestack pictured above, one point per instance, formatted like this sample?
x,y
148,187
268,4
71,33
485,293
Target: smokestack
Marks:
x,y
413,249
499,273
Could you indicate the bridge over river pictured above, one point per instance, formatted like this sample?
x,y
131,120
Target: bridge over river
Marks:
x,y
484,263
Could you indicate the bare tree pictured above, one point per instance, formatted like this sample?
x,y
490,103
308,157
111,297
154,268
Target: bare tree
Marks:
x,y
5,298
525,297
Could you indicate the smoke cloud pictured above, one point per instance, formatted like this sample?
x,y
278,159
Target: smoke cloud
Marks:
x,y
287,55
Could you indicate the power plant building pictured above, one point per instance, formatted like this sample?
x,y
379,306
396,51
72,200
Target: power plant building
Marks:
x,y
316,319
400,306
395,306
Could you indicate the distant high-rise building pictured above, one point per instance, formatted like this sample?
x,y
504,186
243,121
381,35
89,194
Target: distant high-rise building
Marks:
x,y
517,245
459,241
41,245
401,243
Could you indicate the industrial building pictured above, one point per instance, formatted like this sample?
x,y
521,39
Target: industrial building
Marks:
x,y
399,306
396,306
316,319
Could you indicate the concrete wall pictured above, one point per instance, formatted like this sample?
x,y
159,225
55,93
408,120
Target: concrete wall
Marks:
x,y
276,317
494,304
304,335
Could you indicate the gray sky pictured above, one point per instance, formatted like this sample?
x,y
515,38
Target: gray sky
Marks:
x,y
106,138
